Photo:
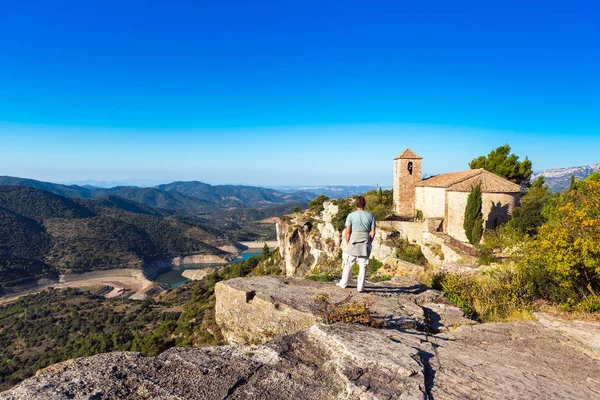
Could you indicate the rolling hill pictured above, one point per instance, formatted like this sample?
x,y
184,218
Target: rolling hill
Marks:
x,y
189,197
42,234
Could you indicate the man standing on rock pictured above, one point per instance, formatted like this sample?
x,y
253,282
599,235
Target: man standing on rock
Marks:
x,y
360,231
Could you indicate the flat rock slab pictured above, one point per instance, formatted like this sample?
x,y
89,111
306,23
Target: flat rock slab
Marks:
x,y
257,309
585,332
519,360
491,361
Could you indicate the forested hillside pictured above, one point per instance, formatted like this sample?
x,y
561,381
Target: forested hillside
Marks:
x,y
190,197
57,325
42,233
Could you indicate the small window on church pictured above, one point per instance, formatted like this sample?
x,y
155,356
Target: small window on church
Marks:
x,y
410,167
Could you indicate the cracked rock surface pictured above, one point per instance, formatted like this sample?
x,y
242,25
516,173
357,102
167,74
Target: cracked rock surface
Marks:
x,y
309,360
257,309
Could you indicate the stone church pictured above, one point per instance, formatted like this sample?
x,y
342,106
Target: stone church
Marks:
x,y
442,198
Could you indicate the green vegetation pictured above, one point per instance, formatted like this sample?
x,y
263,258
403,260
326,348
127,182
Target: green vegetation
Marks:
x,y
528,217
42,233
316,206
505,164
498,295
57,325
557,262
245,223
473,222
320,278
345,207
380,203
405,250
346,311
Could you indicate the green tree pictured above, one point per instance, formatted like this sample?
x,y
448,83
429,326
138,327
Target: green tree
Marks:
x,y
297,209
473,223
563,261
572,183
505,164
528,217
316,206
266,252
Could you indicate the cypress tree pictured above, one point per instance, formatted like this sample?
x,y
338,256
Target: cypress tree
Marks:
x,y
473,223
572,185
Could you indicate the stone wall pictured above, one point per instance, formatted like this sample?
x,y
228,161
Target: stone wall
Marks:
x,y
494,205
456,203
412,230
498,205
431,201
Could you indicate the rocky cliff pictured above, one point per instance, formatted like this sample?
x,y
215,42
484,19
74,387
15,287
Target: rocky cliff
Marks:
x,y
307,241
296,357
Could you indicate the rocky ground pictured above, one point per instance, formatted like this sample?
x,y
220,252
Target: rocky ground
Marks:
x,y
280,350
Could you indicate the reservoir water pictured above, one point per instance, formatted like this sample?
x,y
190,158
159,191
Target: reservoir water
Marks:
x,y
174,276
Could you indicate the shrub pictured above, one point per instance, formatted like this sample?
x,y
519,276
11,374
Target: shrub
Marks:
x,y
410,252
345,207
419,215
320,278
497,295
316,206
380,203
590,304
346,311
563,260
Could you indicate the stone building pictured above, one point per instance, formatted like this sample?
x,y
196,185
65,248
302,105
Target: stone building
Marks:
x,y
442,198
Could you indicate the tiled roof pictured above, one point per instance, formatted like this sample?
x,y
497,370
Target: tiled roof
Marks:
x,y
464,181
408,153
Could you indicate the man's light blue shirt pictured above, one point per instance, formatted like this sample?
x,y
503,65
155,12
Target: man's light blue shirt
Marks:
x,y
360,221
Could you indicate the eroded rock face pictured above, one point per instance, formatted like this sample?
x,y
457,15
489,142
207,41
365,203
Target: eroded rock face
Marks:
x,y
305,241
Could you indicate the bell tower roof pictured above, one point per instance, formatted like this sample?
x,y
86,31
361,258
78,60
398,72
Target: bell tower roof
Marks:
x,y
408,154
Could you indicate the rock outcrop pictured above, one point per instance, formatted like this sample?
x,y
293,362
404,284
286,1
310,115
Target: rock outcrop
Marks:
x,y
521,360
501,361
257,309
306,241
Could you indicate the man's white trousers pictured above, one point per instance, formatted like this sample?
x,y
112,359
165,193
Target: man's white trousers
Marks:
x,y
349,262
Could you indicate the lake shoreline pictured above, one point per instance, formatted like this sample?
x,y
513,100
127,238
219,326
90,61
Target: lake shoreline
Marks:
x,y
138,281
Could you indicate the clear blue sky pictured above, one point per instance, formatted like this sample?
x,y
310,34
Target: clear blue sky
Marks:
x,y
282,92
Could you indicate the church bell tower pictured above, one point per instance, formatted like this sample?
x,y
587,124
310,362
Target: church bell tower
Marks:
x,y
407,173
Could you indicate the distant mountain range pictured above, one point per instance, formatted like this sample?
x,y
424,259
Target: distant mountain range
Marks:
x,y
190,197
333,192
558,179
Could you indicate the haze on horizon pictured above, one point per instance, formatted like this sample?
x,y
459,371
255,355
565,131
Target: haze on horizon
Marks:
x,y
292,94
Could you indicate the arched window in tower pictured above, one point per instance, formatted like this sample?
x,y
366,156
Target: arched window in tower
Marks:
x,y
410,167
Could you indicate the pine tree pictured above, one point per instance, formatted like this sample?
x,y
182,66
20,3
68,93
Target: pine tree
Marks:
x,y
473,223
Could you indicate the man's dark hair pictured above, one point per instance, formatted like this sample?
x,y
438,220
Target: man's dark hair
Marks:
x,y
360,202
